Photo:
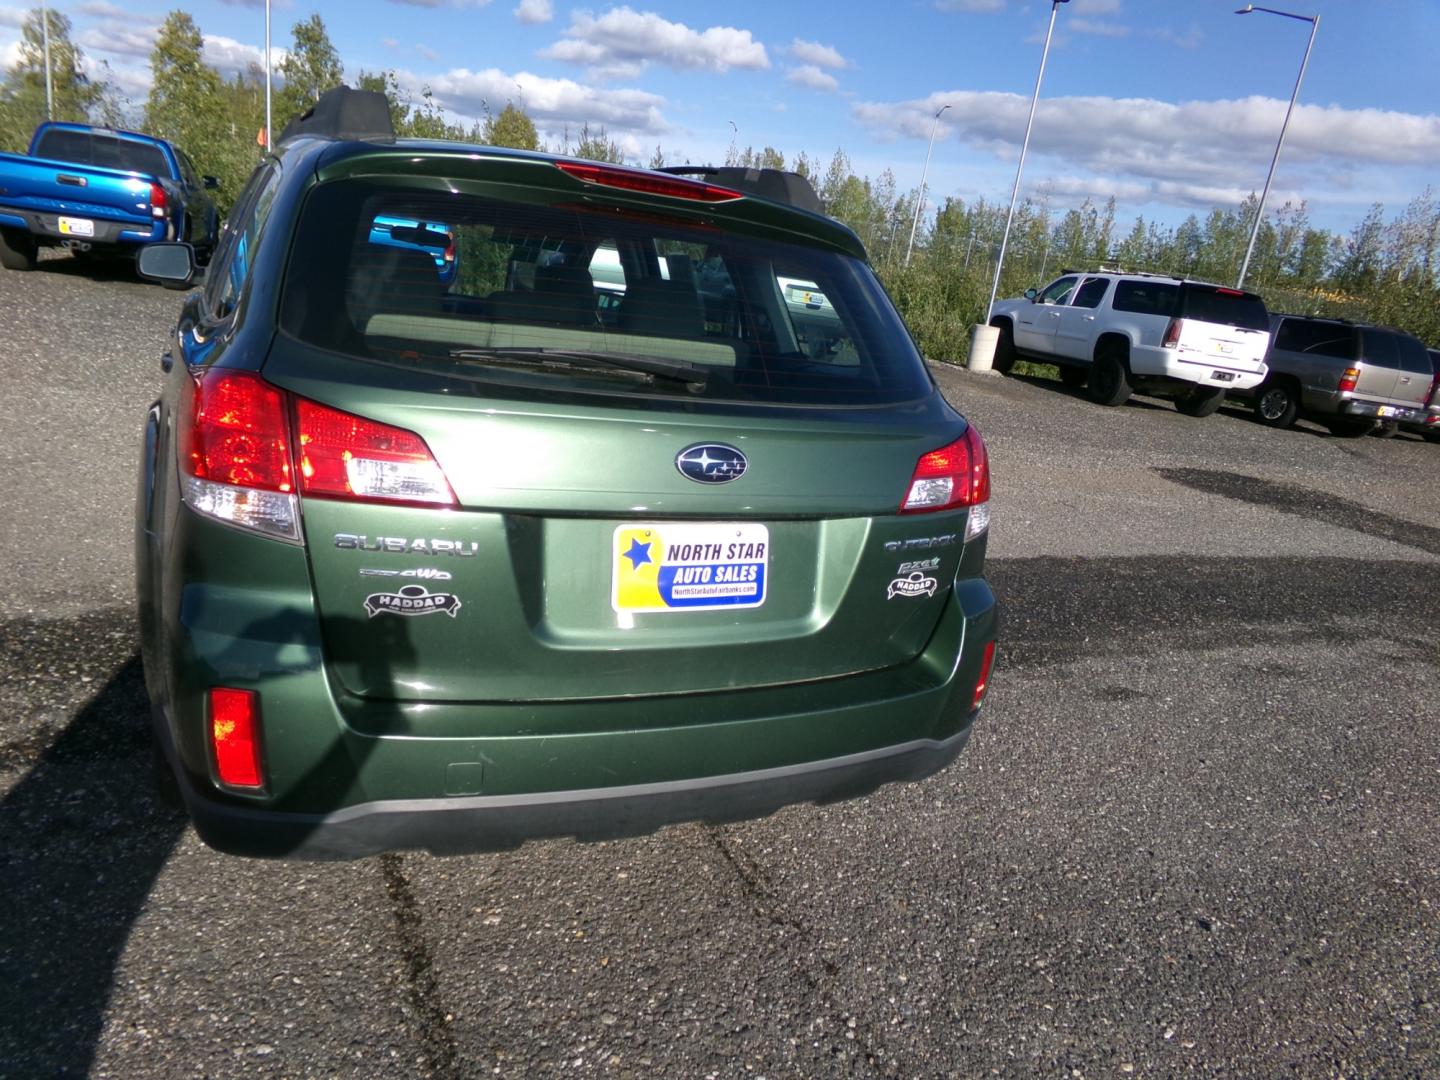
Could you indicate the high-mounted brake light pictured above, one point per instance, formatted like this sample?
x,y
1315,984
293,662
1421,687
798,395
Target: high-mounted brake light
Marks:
x,y
348,457
951,477
1171,339
649,183
235,737
158,201
1349,379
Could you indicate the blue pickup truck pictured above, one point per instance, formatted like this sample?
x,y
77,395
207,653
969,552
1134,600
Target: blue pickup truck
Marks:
x,y
95,189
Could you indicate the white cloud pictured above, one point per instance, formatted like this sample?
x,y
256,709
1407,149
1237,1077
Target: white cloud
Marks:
x,y
973,7
442,3
231,57
623,42
1191,38
114,37
812,52
811,76
552,104
535,11
1196,153
1090,8
13,17
99,9
1098,27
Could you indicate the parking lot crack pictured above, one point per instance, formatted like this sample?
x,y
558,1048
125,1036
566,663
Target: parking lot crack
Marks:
x,y
815,969
429,1018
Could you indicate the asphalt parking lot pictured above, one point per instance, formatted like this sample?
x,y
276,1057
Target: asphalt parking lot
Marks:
x,y
1197,829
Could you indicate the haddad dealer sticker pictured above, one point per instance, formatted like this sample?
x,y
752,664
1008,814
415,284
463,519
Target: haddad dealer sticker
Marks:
x,y
688,567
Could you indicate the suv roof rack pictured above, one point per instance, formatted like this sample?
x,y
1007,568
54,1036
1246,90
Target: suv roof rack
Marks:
x,y
778,185
344,113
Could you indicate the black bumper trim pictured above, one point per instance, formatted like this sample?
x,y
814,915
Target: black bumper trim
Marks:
x,y
469,824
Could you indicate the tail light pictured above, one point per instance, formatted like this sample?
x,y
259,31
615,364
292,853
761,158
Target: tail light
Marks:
x,y
158,201
235,737
1433,398
239,443
951,477
1171,340
450,253
651,184
982,684
1349,379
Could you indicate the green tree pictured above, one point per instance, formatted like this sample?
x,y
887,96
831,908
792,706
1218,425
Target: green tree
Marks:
x,y
311,67
76,96
593,146
511,128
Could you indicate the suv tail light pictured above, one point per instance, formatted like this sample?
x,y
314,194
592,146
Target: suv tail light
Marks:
x,y
158,201
1349,379
238,454
1433,398
1171,340
953,476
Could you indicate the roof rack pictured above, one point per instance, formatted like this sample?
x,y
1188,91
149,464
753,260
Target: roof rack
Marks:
x,y
778,185
344,113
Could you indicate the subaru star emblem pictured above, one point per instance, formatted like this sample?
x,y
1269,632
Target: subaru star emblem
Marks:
x,y
711,463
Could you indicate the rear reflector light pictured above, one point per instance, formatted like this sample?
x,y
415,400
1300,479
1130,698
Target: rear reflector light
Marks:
x,y
982,684
348,457
235,450
158,201
953,476
1433,398
1172,335
235,737
1349,379
649,183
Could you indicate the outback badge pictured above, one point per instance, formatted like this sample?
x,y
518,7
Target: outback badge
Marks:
x,y
711,463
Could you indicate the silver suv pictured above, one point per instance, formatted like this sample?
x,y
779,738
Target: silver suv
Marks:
x,y
1346,375
1189,340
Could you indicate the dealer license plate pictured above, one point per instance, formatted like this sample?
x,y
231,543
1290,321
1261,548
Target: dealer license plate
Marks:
x,y
671,566
77,226
1386,410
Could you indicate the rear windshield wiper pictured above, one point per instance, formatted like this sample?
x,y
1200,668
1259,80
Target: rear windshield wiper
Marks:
x,y
693,376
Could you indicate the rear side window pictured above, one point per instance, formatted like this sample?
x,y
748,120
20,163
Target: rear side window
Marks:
x,y
1146,297
1413,357
1226,307
1317,338
539,296
104,151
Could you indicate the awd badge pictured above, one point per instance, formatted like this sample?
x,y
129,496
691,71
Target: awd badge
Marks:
x,y
411,600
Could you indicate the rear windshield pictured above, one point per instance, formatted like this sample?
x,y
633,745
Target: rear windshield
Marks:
x,y
577,298
1228,307
105,151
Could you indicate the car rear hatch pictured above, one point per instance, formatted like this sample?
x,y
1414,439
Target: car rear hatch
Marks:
x,y
1394,372
1220,328
694,498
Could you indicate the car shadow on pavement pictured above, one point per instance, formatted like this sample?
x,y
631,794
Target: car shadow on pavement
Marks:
x,y
1080,393
84,839
90,267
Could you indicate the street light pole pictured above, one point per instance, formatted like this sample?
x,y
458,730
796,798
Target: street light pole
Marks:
x,y
920,201
1314,21
269,143
1020,168
45,47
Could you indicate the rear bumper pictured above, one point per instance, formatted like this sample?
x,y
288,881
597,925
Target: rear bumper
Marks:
x,y
1218,372
1405,414
46,228
1426,424
489,823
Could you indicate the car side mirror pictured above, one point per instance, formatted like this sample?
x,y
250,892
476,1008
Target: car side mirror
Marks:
x,y
1030,295
210,182
173,265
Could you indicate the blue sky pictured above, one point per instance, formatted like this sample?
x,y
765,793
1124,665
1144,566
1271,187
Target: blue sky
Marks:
x,y
1172,106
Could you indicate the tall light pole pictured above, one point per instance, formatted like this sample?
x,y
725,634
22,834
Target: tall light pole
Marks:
x,y
269,143
45,47
1020,168
1314,21
920,202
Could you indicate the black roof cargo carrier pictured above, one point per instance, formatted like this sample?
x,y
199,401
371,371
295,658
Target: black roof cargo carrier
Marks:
x,y
343,113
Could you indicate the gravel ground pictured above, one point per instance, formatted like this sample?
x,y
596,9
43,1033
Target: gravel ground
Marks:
x,y
1195,831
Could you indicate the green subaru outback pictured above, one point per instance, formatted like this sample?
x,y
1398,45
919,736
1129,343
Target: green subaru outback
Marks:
x,y
451,557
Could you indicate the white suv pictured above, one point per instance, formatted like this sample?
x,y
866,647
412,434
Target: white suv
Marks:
x,y
1123,332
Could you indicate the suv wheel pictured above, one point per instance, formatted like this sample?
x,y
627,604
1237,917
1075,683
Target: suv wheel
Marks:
x,y
17,250
1200,400
1277,404
1109,381
1004,348
1348,428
